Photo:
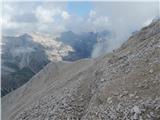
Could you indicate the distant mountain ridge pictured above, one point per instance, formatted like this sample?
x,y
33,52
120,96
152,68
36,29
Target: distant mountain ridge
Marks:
x,y
83,43
27,54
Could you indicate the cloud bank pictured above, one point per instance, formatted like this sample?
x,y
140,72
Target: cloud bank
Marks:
x,y
121,18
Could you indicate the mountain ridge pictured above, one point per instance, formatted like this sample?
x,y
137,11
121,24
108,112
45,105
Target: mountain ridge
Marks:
x,y
26,54
123,84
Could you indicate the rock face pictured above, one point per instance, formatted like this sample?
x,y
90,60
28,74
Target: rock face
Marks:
x,y
25,55
123,85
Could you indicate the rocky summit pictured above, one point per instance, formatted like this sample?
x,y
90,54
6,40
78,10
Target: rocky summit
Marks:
x,y
122,85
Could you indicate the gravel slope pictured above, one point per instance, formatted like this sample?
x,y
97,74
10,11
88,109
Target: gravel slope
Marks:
x,y
123,85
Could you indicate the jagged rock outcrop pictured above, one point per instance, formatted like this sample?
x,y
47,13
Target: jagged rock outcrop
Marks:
x,y
123,85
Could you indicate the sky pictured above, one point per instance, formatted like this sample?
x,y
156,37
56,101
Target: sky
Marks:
x,y
79,8
52,18
56,17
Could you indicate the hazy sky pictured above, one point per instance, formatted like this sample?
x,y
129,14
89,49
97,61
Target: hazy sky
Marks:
x,y
55,17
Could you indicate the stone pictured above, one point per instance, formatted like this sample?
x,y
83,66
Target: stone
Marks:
x,y
136,110
151,70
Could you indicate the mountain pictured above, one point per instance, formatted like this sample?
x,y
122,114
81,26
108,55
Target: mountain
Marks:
x,y
83,44
27,54
123,85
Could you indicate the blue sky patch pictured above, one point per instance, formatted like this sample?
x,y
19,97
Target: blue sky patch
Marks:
x,y
79,8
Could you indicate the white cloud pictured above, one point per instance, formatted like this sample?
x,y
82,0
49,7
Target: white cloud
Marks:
x,y
44,15
65,15
51,20
20,17
147,22
123,19
92,14
8,8
101,21
7,22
